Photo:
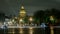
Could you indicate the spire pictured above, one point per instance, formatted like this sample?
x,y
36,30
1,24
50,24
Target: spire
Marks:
x,y
22,7
22,4
22,12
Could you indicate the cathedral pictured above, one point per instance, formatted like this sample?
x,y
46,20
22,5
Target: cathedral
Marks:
x,y
22,15
23,18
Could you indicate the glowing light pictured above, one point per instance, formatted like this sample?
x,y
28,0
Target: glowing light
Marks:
x,y
51,18
52,31
22,7
30,30
30,19
13,20
21,20
12,31
21,31
23,12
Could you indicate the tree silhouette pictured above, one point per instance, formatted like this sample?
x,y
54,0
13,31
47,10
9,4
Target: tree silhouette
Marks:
x,y
45,15
39,16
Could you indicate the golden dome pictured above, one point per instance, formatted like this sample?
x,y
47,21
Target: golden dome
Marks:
x,y
22,10
22,7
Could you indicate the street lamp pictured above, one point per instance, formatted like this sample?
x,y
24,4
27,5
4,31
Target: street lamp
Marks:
x,y
30,19
51,27
21,20
51,18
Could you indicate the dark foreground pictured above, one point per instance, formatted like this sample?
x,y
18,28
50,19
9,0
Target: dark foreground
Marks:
x,y
28,31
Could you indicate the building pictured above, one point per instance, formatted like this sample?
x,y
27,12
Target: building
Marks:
x,y
23,18
22,15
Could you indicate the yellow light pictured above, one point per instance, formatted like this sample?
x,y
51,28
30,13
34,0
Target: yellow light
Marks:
x,y
21,31
22,7
52,31
13,31
22,12
21,20
13,20
51,18
30,19
30,30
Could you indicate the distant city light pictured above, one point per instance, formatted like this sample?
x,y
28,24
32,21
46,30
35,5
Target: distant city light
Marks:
x,y
51,18
21,30
43,25
21,20
10,23
30,19
22,7
12,20
31,30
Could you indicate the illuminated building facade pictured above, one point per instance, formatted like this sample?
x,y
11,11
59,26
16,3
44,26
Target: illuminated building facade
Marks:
x,y
22,15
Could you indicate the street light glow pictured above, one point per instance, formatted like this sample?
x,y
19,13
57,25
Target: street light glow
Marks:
x,y
51,18
21,20
30,19
31,30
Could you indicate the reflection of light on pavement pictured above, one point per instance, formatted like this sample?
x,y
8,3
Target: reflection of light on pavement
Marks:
x,y
30,30
52,31
21,31
11,32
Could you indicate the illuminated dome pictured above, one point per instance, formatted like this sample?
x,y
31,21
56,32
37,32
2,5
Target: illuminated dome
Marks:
x,y
22,11
22,15
22,7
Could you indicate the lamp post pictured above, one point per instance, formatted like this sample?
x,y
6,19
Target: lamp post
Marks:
x,y
51,27
30,20
21,22
52,19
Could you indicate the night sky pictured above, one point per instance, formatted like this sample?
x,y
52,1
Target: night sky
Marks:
x,y
13,6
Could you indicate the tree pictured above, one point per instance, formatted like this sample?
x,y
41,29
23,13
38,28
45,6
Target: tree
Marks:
x,y
39,16
45,15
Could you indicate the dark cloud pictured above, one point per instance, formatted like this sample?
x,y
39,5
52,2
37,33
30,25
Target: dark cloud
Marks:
x,y
13,6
